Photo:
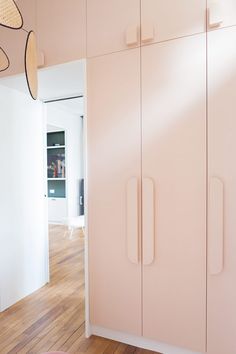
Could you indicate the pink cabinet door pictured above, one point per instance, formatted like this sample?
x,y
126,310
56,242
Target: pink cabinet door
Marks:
x,y
61,30
114,177
112,25
167,19
222,192
174,174
221,13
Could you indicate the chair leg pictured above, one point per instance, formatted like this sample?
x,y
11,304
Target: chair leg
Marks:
x,y
71,232
83,230
66,232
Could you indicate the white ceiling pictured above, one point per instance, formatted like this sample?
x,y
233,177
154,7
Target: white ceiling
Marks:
x,y
74,106
60,81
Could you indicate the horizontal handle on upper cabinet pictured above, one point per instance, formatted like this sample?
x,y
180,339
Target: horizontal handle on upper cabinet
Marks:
x,y
148,203
214,14
216,226
132,35
132,220
147,32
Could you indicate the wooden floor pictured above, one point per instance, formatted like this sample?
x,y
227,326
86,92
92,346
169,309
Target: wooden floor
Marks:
x,y
53,317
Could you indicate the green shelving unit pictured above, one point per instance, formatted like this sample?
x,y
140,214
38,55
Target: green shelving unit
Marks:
x,y
56,164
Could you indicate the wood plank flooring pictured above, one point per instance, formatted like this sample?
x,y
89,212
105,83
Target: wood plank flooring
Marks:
x,y
53,317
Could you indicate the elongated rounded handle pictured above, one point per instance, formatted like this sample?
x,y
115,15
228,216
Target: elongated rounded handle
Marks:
x,y
132,220
148,212
216,226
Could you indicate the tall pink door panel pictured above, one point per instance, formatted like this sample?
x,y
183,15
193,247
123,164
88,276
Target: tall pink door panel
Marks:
x,y
174,159
221,13
114,177
112,25
167,19
222,195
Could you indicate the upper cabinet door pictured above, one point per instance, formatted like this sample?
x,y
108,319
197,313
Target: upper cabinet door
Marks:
x,y
222,192
61,30
112,25
174,171
221,13
167,19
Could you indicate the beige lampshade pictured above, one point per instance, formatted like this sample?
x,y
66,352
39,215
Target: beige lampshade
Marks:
x,y
4,61
31,64
10,15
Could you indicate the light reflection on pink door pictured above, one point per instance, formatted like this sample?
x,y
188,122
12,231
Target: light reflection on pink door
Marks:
x,y
174,157
167,19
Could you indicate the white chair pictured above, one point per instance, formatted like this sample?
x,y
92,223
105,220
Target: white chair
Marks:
x,y
76,222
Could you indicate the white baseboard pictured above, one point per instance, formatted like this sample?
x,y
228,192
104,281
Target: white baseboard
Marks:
x,y
139,342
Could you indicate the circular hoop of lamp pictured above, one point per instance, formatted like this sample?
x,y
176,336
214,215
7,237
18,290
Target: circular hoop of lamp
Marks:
x,y
10,15
4,60
31,64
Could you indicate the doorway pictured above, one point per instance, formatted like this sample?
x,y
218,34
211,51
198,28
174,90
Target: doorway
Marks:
x,y
65,185
53,313
65,162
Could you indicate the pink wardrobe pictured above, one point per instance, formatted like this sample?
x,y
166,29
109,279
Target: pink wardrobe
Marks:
x,y
161,173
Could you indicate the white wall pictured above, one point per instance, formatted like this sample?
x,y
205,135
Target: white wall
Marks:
x,y
23,240
72,123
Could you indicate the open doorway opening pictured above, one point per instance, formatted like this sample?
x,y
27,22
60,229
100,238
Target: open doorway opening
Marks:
x,y
65,161
64,156
65,186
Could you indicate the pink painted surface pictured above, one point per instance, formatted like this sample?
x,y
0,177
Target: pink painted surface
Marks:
x,y
114,146
28,10
13,41
148,220
61,30
174,156
222,147
132,219
172,19
216,226
225,10
107,24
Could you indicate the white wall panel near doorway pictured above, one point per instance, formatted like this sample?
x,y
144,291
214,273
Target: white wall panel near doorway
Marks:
x,y
23,251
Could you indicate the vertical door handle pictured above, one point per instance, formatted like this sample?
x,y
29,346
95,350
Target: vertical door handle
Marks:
x,y
216,226
147,32
132,35
148,203
215,14
132,220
